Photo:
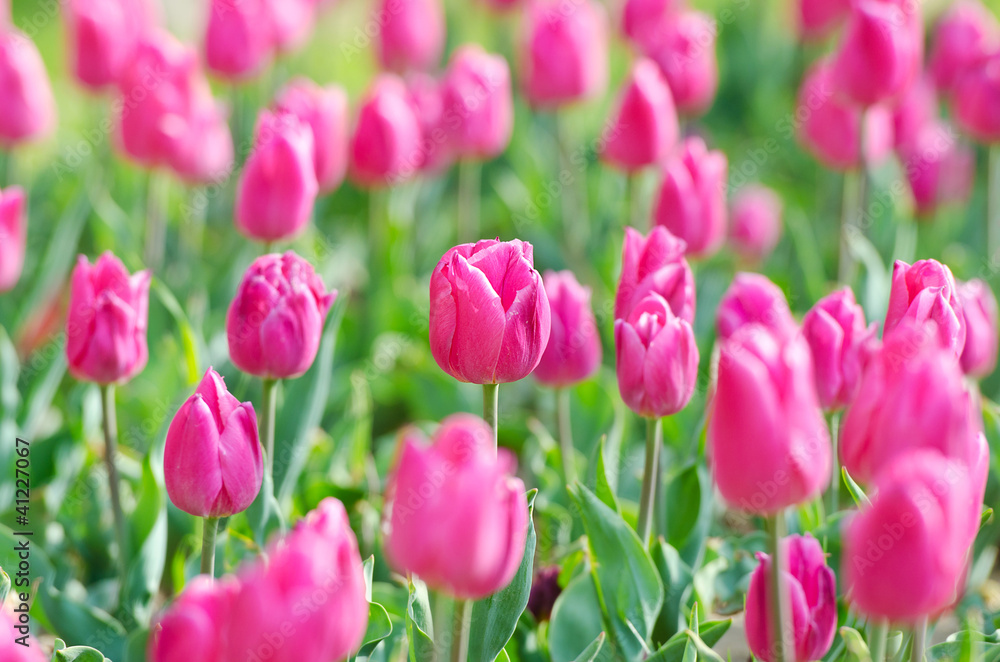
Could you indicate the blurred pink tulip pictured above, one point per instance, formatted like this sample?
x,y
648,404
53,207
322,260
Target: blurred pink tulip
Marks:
x,y
573,352
639,17
478,107
11,649
966,35
683,45
325,110
976,100
756,222
476,508
812,588
817,18
564,54
275,321
239,39
13,236
979,357
656,358
753,299
692,198
938,166
655,264
489,318
644,127
106,323
386,145
412,34
915,110
195,627
204,154
29,109
926,292
103,35
427,99
291,22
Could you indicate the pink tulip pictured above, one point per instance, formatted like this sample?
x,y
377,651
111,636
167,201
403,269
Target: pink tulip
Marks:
x,y
239,39
412,34
756,222
841,344
573,352
308,601
275,321
753,299
204,154
427,99
11,649
458,488
291,22
29,109
683,45
692,198
106,324
817,18
13,236
644,128
812,601
768,442
938,167
103,35
478,108
917,108
640,17
489,317
926,292
976,100
386,145
564,54
965,36
325,110
195,627
979,356
277,188
655,264
656,357
830,129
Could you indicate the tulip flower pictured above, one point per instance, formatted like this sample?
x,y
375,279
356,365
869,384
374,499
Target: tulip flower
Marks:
x,y
926,292
655,264
195,627
461,490
386,145
411,36
841,345
426,98
965,36
938,167
753,299
817,18
478,107
644,127
325,110
683,46
205,154
979,356
915,110
573,351
291,21
545,590
639,17
11,649
812,589
29,109
756,222
278,187
13,236
239,39
976,98
692,199
103,35
564,53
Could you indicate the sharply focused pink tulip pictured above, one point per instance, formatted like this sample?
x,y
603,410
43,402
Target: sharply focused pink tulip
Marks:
x,y
478,106
277,188
411,36
13,236
817,18
564,54
106,323
644,129
325,110
459,489
683,45
386,144
753,299
103,35
573,352
841,344
976,100
656,358
915,110
275,321
655,264
427,99
10,649
755,222
692,198
640,17
926,292
239,40
195,628
489,316
938,166
966,35
979,356
768,443
28,107
812,601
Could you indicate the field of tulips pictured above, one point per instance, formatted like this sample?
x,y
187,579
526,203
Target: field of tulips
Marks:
x,y
499,330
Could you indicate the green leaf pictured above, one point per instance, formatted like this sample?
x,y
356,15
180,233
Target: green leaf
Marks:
x,y
10,400
78,654
576,618
603,489
379,625
711,632
188,338
952,651
136,646
419,628
687,526
4,586
986,517
860,498
264,514
39,394
591,652
857,649
77,622
148,524
494,618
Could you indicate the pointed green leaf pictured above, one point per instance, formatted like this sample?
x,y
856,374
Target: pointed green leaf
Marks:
x,y
860,498
857,648
419,628
576,619
603,488
78,654
677,584
687,527
591,652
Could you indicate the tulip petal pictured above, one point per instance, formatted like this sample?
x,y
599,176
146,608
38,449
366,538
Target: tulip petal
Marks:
x,y
240,460
479,325
191,459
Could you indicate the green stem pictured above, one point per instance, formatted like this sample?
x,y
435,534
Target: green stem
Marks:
x,y
993,201
461,622
781,633
110,423
634,203
833,494
879,636
573,190
209,532
491,405
268,410
853,208
157,190
647,498
469,176
565,425
919,641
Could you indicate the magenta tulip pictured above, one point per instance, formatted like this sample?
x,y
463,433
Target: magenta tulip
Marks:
x,y
13,236
106,323
204,154
412,34
756,222
976,100
966,35
640,17
291,22
325,110
29,109
915,110
573,352
926,292
812,601
386,145
195,627
644,128
753,299
11,649
979,356
103,35
239,39
692,198
478,106
683,45
817,18
938,166
427,99
458,488
655,264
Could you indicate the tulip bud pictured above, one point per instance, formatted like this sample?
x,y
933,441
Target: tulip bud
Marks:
x,y
386,145
692,199
753,299
812,601
640,17
13,236
926,292
817,18
490,316
10,648
965,36
917,108
564,53
644,128
573,352
238,42
195,627
412,34
841,345
938,167
756,222
979,356
683,45
277,188
106,323
102,37
545,590
768,442
975,100
29,109
477,103
475,506
275,321
427,99
656,359
325,110
655,264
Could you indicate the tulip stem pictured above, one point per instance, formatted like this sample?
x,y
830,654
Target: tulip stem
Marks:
x,y
110,423
781,632
919,641
157,190
993,201
647,498
268,410
879,638
462,620
565,424
833,494
634,182
491,405
469,176
209,532
849,206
